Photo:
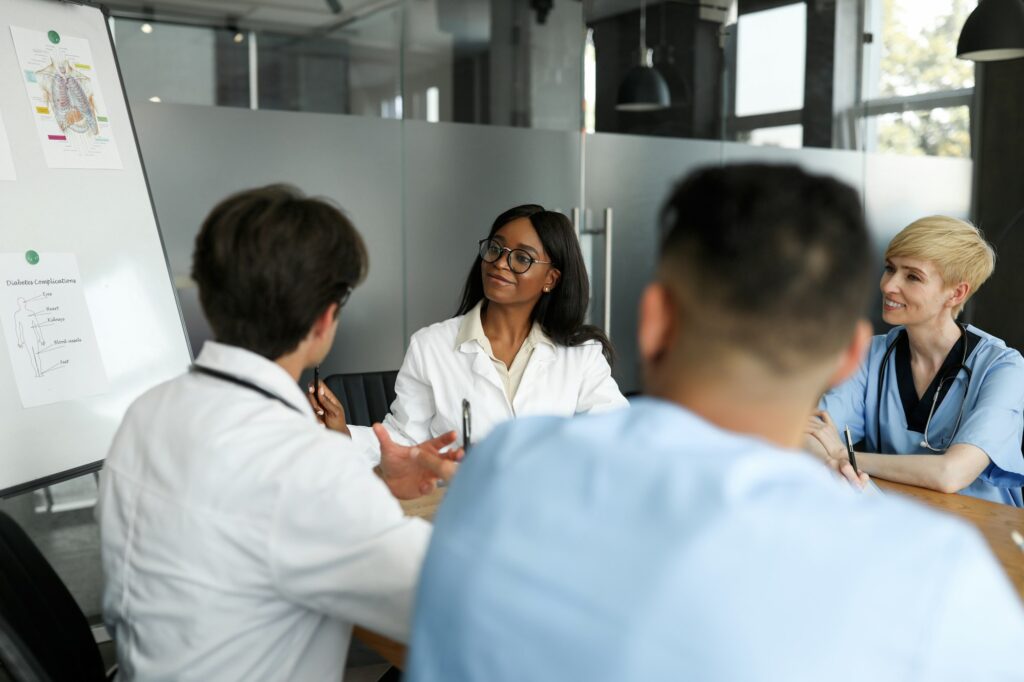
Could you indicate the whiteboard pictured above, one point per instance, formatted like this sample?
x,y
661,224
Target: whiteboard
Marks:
x,y
88,314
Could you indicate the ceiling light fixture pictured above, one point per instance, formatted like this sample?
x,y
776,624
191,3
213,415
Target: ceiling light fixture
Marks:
x,y
236,33
994,31
643,88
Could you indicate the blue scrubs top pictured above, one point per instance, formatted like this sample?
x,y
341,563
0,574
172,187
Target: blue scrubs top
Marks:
x,y
992,418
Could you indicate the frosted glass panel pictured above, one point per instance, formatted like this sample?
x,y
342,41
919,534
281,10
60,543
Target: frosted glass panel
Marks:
x,y
770,58
354,161
458,179
632,175
901,189
847,166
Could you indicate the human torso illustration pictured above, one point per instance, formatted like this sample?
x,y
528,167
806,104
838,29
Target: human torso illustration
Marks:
x,y
69,96
29,335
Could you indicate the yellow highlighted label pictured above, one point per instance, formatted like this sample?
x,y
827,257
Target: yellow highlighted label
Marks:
x,y
83,67
42,110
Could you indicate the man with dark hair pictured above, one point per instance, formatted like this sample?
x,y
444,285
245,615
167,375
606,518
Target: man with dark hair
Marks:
x,y
688,538
240,539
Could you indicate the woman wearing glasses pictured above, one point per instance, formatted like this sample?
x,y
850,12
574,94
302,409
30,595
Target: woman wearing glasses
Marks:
x,y
939,399
518,345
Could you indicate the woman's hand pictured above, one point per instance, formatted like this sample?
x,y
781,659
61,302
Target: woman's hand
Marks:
x,y
413,470
824,432
328,409
822,440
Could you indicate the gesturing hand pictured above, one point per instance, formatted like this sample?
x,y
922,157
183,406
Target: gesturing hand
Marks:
x,y
413,470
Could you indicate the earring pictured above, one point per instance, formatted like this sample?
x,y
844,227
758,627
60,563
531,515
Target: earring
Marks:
x,y
547,289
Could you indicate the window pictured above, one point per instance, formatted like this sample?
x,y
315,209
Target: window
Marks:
x,y
770,70
789,137
943,131
917,94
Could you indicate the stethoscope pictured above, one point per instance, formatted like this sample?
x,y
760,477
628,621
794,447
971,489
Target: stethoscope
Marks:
x,y
238,381
935,398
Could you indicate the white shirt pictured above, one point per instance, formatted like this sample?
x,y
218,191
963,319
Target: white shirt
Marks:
x,y
471,328
440,370
240,540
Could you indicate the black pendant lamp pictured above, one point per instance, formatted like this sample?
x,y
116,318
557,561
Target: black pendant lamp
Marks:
x,y
994,31
643,88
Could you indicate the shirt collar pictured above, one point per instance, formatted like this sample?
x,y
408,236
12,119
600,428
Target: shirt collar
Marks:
x,y
472,329
254,368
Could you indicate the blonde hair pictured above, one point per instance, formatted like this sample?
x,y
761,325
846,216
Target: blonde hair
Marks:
x,y
956,248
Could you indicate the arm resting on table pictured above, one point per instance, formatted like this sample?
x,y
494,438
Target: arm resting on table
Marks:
x,y
958,468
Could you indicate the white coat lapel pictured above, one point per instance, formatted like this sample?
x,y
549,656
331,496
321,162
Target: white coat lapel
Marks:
x,y
481,365
543,355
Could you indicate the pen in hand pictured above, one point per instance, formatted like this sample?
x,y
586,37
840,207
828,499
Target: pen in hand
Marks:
x,y
849,451
316,390
466,424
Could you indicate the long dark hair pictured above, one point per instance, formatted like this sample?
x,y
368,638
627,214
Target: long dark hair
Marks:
x,y
561,312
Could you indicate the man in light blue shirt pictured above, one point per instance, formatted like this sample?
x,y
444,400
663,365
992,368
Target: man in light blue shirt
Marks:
x,y
688,537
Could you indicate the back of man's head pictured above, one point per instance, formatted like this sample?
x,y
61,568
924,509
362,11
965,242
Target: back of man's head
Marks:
x,y
770,262
268,261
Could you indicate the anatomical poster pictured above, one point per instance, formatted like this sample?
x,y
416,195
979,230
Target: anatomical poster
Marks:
x,y
64,93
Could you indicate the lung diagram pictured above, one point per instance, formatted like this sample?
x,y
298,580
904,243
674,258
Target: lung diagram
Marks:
x,y
68,92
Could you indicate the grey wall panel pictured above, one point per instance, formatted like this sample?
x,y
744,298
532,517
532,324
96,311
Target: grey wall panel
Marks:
x,y
195,156
458,178
632,175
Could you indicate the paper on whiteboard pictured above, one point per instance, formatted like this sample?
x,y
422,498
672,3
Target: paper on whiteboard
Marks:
x,y
48,329
6,159
67,104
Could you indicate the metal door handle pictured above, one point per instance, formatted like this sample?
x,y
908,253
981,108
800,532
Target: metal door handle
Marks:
x,y
608,272
607,231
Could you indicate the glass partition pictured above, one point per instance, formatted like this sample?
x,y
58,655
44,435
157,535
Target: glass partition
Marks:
x,y
489,104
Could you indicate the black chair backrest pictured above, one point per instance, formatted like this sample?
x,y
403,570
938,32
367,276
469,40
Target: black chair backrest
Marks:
x,y
45,636
366,397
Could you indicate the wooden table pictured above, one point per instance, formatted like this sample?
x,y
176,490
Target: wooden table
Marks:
x,y
995,521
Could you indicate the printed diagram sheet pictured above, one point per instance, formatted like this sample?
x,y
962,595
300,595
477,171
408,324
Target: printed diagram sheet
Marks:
x,y
6,159
48,329
64,93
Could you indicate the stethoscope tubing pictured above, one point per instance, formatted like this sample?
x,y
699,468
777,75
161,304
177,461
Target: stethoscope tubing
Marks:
x,y
935,398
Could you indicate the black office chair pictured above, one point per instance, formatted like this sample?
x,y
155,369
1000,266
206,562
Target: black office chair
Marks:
x,y
44,636
366,397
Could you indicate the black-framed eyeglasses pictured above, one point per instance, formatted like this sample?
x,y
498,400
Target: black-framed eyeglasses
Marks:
x,y
519,261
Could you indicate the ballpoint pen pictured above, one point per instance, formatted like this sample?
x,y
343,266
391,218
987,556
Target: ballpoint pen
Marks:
x,y
849,451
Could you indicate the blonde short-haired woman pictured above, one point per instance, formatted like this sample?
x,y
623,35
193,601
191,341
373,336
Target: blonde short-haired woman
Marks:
x,y
937,403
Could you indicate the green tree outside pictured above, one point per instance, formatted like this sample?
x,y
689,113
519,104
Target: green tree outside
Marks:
x,y
918,61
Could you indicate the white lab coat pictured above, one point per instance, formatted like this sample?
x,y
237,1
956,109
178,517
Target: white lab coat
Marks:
x,y
240,539
437,375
